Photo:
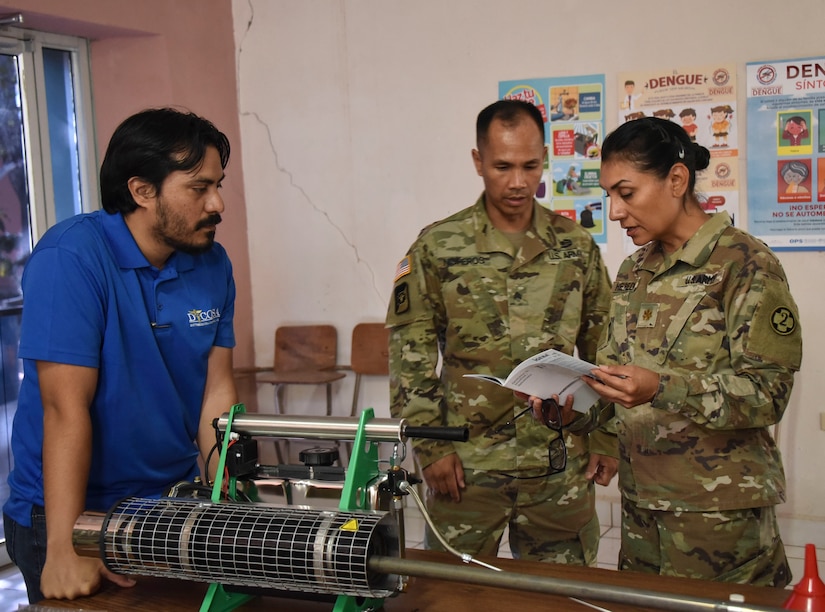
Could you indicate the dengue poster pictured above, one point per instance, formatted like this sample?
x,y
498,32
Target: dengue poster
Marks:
x,y
573,112
786,153
703,101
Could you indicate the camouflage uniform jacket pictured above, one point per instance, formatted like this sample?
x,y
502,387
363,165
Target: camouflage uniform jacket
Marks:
x,y
717,321
464,294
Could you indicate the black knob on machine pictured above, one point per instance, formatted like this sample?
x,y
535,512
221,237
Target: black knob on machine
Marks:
x,y
318,456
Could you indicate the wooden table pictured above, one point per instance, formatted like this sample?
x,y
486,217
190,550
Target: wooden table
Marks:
x,y
433,595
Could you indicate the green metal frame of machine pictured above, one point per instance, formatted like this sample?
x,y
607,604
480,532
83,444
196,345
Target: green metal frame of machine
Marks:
x,y
362,469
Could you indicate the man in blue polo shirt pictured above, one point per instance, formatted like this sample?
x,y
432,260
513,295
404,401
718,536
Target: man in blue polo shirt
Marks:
x,y
126,344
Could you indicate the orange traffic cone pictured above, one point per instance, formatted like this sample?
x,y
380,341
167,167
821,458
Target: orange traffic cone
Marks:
x,y
809,593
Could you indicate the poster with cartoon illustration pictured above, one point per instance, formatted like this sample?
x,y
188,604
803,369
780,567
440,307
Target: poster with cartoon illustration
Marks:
x,y
573,111
703,101
786,153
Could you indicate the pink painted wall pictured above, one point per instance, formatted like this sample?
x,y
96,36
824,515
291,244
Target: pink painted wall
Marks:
x,y
165,53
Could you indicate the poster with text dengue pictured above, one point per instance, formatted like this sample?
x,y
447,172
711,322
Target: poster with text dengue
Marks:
x,y
573,111
703,101
786,153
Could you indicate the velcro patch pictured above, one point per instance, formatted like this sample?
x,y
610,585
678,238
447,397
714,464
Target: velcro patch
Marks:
x,y
775,317
648,314
401,298
403,268
624,286
700,279
783,321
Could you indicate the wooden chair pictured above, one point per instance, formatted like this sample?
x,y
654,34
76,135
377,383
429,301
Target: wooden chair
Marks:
x,y
304,355
369,356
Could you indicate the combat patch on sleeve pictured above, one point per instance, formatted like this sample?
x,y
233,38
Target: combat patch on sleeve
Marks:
x,y
402,269
775,334
783,321
401,298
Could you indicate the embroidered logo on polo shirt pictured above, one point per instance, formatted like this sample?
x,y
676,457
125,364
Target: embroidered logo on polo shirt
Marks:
x,y
199,318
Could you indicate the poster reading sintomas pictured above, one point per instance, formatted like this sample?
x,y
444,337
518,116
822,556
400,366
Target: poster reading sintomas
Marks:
x,y
786,153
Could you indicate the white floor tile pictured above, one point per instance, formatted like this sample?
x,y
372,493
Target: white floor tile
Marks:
x,y
609,550
605,513
12,588
796,559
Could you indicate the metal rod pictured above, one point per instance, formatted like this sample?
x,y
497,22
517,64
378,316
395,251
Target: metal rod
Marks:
x,y
315,427
556,586
11,19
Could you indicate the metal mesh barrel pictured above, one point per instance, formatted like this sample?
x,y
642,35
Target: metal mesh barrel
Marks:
x,y
257,545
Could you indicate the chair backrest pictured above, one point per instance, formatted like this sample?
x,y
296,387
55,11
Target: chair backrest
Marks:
x,y
370,349
305,347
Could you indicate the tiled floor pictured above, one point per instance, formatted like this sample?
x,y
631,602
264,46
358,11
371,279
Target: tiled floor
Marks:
x,y
12,589
795,533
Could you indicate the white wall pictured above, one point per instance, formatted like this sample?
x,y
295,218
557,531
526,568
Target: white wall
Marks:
x,y
358,117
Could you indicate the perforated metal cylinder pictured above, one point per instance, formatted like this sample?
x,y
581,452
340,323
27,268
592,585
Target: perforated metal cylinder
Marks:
x,y
256,545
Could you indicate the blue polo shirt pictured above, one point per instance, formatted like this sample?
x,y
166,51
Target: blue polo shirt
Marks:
x,y
92,299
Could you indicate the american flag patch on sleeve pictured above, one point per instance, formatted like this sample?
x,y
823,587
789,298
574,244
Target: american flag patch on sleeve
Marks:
x,y
403,268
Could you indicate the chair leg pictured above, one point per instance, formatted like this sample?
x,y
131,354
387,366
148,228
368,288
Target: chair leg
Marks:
x,y
355,393
329,413
278,453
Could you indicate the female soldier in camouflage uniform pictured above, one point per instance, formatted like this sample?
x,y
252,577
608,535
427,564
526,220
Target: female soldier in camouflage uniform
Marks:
x,y
700,352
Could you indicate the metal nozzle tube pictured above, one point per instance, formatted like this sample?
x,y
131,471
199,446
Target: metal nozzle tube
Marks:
x,y
555,586
86,535
321,427
336,428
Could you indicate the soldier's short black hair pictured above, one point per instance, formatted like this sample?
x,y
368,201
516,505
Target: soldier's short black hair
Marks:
x,y
654,145
508,112
151,145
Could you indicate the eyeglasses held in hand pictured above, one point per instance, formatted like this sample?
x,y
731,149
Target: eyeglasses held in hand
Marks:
x,y
556,449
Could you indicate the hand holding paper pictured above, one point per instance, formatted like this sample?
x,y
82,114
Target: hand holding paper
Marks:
x,y
550,373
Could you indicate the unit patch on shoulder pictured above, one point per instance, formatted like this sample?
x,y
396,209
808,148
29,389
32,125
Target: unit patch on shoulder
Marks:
x,y
403,268
401,298
783,321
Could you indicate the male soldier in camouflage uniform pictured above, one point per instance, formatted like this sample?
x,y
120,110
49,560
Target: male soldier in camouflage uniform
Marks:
x,y
704,314
485,289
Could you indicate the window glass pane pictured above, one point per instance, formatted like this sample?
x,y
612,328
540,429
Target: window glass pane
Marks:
x,y
57,68
15,247
15,235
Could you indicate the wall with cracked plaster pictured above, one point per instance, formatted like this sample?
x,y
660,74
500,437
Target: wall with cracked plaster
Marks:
x,y
357,118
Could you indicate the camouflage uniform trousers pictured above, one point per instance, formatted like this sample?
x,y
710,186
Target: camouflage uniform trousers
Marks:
x,y
739,546
551,519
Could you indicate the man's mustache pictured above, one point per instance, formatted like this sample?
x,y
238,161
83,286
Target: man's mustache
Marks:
x,y
210,221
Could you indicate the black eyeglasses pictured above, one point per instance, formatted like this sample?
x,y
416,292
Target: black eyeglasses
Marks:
x,y
556,449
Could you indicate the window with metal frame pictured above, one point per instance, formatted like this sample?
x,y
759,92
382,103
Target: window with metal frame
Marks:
x,y
47,174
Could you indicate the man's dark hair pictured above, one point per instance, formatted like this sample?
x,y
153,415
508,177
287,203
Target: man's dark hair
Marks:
x,y
508,112
151,145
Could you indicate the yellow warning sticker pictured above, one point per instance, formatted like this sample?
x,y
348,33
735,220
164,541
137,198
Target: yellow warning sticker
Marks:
x,y
350,525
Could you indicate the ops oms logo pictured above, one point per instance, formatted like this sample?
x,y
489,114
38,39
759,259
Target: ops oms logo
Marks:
x,y
766,74
722,171
720,77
